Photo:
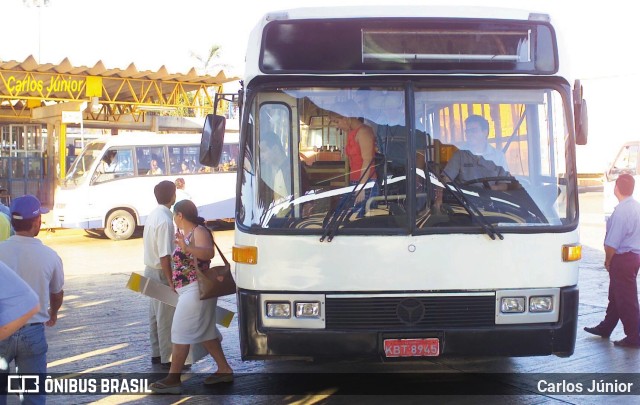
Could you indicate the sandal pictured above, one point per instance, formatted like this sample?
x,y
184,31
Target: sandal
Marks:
x,y
162,388
219,378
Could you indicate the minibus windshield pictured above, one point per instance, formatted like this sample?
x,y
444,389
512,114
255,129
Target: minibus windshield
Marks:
x,y
80,167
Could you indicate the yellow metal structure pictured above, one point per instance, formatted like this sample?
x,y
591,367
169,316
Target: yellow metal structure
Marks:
x,y
112,95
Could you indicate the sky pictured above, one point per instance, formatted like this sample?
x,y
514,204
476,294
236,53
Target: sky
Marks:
x,y
151,34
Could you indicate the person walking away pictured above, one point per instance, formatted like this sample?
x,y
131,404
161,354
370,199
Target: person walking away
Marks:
x,y
41,268
622,261
195,319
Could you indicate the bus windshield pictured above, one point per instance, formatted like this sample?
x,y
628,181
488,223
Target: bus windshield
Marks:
x,y
464,158
82,164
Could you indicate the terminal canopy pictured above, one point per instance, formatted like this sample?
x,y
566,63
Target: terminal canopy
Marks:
x,y
110,93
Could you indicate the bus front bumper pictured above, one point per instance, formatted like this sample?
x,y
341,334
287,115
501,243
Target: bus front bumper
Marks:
x,y
260,343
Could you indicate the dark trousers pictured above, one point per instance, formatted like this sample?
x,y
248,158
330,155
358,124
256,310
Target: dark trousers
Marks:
x,y
623,295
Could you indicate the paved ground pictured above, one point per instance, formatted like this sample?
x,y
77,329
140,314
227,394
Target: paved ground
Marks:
x,y
103,328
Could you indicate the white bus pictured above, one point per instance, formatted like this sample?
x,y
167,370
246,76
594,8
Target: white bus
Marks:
x,y
480,272
109,186
627,161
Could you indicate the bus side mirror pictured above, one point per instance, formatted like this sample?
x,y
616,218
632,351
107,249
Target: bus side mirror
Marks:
x,y
580,114
212,140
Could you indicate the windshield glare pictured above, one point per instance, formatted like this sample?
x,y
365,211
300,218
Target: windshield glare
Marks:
x,y
347,160
82,164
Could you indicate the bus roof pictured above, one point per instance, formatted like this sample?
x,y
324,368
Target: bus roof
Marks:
x,y
396,11
263,49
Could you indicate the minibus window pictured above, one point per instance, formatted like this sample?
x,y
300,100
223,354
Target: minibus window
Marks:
x,y
150,160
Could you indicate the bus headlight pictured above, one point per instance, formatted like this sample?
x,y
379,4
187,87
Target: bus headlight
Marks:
x,y
278,310
293,311
541,304
307,310
512,304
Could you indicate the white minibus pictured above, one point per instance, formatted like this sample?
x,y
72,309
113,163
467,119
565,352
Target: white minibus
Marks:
x,y
110,184
626,161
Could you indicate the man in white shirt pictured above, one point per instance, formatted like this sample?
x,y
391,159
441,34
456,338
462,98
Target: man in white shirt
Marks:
x,y
158,238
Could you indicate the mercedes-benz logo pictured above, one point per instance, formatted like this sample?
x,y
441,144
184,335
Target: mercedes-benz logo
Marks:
x,y
410,311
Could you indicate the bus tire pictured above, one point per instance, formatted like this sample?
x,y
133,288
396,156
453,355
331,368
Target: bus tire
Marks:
x,y
120,225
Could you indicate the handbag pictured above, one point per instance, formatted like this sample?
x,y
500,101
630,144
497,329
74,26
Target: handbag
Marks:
x,y
217,281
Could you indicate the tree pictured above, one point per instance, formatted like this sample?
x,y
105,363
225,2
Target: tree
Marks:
x,y
210,65
211,62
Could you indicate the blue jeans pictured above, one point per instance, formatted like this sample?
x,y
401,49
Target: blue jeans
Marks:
x,y
28,348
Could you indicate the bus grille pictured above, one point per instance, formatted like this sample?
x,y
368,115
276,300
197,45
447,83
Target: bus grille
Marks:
x,y
413,312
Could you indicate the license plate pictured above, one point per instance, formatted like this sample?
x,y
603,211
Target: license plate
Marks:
x,y
411,347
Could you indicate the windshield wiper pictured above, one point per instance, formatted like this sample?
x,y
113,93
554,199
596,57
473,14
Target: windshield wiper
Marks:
x,y
471,208
344,208
339,214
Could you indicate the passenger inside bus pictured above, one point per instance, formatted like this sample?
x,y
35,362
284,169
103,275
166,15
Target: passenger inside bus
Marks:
x,y
476,159
106,167
154,170
360,149
184,167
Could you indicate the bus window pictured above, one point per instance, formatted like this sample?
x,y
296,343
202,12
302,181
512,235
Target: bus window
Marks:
x,y
229,158
274,127
184,159
524,151
627,161
115,163
150,160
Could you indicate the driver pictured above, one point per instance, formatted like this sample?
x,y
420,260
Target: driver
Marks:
x,y
476,159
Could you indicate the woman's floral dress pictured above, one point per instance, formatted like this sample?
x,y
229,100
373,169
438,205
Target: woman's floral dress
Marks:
x,y
184,271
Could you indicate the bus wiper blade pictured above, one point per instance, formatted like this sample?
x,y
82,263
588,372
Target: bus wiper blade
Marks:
x,y
473,211
339,214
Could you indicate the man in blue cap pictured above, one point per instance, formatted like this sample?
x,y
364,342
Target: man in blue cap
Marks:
x,y
41,268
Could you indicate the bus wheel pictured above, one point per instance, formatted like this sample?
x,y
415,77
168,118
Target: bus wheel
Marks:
x,y
120,225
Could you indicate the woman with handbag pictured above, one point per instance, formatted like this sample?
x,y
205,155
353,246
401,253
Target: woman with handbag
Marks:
x,y
195,319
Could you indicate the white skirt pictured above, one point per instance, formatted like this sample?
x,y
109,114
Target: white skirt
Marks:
x,y
194,320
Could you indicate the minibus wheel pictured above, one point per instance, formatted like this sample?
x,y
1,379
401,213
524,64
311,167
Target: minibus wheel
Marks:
x,y
120,225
